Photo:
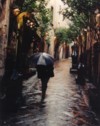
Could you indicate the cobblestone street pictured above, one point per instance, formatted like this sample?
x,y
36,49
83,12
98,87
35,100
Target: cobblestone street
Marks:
x,y
65,104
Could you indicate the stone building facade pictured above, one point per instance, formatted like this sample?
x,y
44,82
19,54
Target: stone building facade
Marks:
x,y
58,21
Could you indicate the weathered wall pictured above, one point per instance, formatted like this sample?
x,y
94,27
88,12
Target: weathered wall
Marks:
x,y
4,26
58,21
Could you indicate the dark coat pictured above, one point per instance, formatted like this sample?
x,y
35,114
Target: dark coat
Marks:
x,y
45,71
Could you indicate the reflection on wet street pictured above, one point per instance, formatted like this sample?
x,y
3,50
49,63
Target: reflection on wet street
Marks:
x,y
64,104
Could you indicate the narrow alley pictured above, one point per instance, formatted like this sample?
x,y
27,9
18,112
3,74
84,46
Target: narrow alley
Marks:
x,y
64,104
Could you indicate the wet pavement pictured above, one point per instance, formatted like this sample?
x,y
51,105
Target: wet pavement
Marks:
x,y
65,103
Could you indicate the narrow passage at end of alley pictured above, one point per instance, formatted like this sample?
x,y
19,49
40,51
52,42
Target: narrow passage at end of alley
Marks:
x,y
64,104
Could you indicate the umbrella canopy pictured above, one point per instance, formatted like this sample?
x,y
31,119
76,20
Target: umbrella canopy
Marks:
x,y
42,59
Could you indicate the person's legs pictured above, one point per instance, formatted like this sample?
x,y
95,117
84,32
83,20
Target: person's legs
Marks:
x,y
44,86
